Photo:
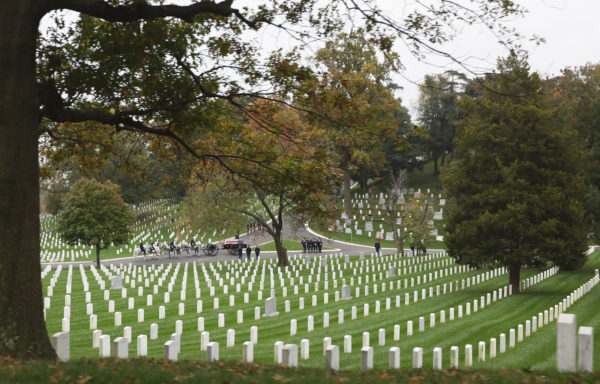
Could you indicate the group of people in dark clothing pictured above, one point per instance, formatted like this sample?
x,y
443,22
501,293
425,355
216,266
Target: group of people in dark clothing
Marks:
x,y
312,245
249,252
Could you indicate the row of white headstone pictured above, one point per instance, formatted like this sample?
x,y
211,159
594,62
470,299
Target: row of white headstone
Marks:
x,y
270,310
575,352
120,344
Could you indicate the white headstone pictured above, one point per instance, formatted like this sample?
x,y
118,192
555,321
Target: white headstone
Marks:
x,y
116,282
104,346
121,348
566,343
468,355
304,349
585,349
170,350
248,352
366,362
332,358
454,357
61,344
271,307
347,343
290,356
212,351
437,358
417,358
142,345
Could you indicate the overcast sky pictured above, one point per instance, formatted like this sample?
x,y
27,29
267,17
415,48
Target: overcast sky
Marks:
x,y
571,29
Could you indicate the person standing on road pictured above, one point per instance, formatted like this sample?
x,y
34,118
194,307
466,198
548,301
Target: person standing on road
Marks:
x,y
248,252
239,253
377,247
257,251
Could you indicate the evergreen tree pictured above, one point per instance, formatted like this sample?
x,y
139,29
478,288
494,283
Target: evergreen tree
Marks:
x,y
515,188
437,114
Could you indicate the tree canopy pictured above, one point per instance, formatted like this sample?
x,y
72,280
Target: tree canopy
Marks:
x,y
354,106
95,215
515,187
437,114
577,92
298,181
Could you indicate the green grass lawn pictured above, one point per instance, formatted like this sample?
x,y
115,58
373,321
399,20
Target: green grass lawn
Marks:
x,y
423,179
536,351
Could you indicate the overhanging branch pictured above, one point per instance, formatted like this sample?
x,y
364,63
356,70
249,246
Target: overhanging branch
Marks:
x,y
141,10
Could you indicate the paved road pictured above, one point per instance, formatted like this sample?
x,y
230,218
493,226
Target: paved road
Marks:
x,y
252,239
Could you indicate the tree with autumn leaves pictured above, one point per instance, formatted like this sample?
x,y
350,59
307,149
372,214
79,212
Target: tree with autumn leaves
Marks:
x,y
354,106
292,180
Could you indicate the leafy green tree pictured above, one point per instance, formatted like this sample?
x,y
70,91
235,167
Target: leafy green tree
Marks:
x,y
577,92
437,114
95,215
410,154
515,187
157,69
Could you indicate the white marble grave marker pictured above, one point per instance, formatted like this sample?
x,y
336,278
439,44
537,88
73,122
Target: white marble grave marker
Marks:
x,y
585,349
61,344
566,343
121,348
332,358
366,354
212,351
417,358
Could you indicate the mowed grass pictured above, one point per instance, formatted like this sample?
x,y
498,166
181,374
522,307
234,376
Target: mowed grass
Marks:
x,y
537,351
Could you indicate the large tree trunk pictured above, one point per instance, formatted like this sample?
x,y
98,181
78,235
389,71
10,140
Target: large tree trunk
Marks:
x,y
364,186
436,170
399,244
398,238
514,278
22,327
347,193
98,256
282,256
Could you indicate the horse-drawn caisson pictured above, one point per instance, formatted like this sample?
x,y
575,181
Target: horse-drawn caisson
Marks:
x,y
231,245
191,249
